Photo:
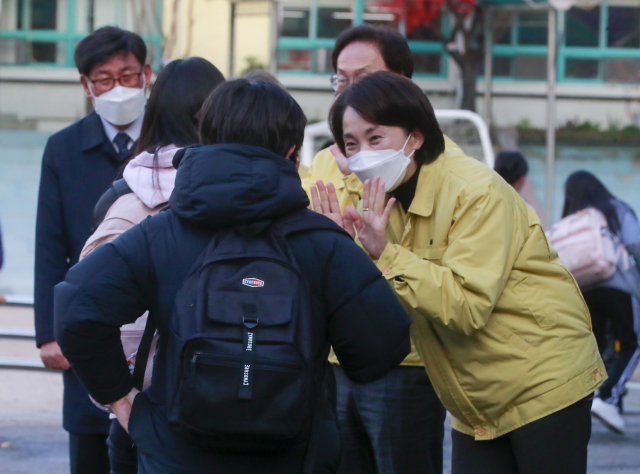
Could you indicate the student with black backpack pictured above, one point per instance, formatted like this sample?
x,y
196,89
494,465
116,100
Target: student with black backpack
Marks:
x,y
248,289
170,122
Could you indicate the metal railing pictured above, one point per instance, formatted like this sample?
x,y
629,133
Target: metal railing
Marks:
x,y
19,363
16,300
322,129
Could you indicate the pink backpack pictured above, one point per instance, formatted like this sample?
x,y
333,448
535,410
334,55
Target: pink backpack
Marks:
x,y
586,246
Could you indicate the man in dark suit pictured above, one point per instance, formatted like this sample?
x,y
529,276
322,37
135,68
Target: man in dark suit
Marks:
x,y
78,166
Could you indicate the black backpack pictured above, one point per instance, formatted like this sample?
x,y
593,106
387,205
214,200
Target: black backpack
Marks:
x,y
246,361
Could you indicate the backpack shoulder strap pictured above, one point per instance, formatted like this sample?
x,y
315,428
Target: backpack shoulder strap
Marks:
x,y
144,349
304,220
118,189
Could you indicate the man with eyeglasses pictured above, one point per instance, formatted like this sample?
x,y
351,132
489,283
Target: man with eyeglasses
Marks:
x,y
358,51
78,166
396,424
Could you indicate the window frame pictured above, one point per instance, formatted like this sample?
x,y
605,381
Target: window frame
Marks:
x,y
70,37
600,53
313,43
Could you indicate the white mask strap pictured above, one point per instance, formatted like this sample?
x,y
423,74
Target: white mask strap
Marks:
x,y
89,83
405,145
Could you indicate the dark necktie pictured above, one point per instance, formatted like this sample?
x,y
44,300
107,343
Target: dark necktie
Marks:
x,y
121,141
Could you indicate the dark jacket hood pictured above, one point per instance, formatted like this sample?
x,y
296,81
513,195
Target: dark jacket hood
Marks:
x,y
228,185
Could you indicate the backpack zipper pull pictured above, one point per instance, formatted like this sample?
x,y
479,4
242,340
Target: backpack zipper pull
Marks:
x,y
192,377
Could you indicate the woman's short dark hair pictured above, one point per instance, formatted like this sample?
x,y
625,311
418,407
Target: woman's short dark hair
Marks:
x,y
582,190
511,165
385,98
105,43
171,116
393,47
253,112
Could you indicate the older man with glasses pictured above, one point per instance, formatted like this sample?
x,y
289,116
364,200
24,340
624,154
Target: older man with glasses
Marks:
x,y
78,166
394,425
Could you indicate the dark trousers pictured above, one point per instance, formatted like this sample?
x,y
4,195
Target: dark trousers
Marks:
x,y
555,444
620,311
392,425
88,454
123,454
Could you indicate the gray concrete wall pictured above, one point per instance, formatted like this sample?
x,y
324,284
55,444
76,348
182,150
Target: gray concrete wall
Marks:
x,y
51,98
48,98
513,102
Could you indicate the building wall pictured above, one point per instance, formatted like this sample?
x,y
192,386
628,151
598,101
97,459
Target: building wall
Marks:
x,y
197,28
203,28
50,97
513,102
44,99
253,35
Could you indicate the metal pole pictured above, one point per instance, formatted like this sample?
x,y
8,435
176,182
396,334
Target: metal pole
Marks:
x,y
91,15
551,119
232,38
488,66
275,33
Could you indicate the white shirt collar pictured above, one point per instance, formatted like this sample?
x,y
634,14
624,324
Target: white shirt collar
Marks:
x,y
132,130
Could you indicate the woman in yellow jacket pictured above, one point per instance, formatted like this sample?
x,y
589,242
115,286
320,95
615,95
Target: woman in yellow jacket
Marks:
x,y
499,323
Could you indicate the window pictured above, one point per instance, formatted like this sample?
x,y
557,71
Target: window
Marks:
x,y
501,67
295,20
427,63
532,29
583,27
310,27
520,51
582,68
293,59
45,32
624,27
591,51
625,70
333,17
502,28
31,15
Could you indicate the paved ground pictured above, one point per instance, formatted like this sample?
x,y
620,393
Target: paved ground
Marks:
x,y
32,441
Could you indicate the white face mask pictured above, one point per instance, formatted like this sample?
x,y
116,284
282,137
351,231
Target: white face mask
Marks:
x,y
390,165
121,105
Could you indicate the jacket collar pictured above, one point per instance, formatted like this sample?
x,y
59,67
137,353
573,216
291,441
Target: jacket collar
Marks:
x,y
93,136
422,204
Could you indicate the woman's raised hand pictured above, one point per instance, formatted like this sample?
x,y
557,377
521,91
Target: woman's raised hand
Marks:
x,y
375,217
325,201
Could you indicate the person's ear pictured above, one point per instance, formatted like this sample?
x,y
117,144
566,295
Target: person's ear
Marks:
x,y
85,85
290,152
147,75
417,139
519,183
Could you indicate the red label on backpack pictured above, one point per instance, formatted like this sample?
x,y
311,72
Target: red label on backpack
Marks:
x,y
253,282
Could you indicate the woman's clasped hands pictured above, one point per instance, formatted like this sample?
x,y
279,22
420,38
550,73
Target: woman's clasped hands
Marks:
x,y
368,227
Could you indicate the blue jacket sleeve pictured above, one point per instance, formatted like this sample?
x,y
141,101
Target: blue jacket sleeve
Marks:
x,y
368,327
52,250
103,292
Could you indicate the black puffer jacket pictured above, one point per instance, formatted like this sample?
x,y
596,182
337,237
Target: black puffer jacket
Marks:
x,y
220,186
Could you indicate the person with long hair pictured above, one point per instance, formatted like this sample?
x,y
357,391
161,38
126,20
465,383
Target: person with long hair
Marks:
x,y
497,320
612,302
170,123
